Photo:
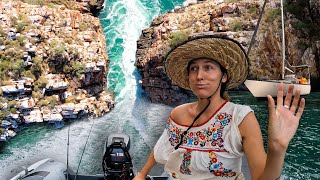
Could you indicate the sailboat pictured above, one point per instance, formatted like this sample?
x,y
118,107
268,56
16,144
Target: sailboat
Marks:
x,y
260,89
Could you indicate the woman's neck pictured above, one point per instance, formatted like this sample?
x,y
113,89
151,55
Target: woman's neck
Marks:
x,y
215,102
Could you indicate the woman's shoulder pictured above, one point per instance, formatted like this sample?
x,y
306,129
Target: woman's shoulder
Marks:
x,y
238,107
239,111
181,112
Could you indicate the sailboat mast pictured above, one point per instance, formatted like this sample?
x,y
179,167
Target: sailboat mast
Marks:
x,y
283,41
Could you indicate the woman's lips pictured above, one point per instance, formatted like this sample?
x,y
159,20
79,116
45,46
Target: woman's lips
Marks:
x,y
201,86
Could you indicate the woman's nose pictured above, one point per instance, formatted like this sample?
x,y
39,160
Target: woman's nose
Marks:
x,y
200,74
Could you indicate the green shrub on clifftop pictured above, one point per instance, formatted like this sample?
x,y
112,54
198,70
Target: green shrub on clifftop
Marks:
x,y
34,2
36,67
71,99
48,101
75,69
13,110
12,104
10,66
2,33
273,14
302,26
236,25
177,38
13,20
21,40
42,103
52,101
28,74
36,95
58,48
41,82
4,114
20,26
231,1
57,57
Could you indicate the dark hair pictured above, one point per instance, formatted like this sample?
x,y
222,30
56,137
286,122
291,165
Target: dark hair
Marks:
x,y
223,84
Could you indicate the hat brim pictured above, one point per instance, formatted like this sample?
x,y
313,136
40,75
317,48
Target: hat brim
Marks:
x,y
228,52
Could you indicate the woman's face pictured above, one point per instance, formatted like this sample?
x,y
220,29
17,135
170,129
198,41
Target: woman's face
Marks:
x,y
204,77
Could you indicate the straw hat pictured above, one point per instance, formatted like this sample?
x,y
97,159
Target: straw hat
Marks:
x,y
228,52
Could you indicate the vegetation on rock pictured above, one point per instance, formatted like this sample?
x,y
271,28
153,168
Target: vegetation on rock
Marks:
x,y
177,37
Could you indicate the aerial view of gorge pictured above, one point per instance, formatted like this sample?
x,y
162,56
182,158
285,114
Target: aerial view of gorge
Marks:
x,y
75,72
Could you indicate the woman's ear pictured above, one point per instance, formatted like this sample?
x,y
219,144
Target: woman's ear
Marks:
x,y
224,77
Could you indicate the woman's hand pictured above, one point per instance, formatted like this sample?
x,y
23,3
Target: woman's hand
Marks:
x,y
283,118
139,176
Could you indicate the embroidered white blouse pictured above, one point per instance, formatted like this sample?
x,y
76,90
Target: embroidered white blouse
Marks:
x,y
211,150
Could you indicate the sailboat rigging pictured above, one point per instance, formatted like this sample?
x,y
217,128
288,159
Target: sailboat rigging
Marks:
x,y
269,87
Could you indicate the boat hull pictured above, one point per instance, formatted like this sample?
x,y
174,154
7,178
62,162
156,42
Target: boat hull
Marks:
x,y
261,89
46,169
101,177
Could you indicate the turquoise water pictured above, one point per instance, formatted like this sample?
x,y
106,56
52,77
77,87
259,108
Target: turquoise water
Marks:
x,y
143,121
122,22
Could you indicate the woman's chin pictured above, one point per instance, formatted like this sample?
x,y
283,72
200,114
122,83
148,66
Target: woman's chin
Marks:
x,y
203,96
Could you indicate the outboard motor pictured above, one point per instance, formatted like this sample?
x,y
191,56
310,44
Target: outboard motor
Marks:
x,y
117,163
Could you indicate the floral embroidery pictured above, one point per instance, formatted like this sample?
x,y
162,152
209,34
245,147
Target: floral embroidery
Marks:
x,y
216,167
210,137
174,175
174,133
185,165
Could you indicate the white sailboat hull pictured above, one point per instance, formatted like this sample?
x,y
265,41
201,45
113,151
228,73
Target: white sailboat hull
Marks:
x,y
264,88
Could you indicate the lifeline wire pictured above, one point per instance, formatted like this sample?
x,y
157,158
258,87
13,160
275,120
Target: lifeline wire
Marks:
x,y
256,29
84,150
68,152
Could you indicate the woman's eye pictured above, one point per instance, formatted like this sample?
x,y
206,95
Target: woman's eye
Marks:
x,y
193,68
208,67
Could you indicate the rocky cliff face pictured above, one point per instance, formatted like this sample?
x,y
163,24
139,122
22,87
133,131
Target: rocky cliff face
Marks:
x,y
236,20
86,6
51,53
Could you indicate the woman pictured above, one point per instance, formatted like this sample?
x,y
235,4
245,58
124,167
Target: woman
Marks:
x,y
207,138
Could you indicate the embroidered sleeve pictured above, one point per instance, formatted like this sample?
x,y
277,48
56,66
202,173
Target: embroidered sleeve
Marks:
x,y
163,147
174,133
